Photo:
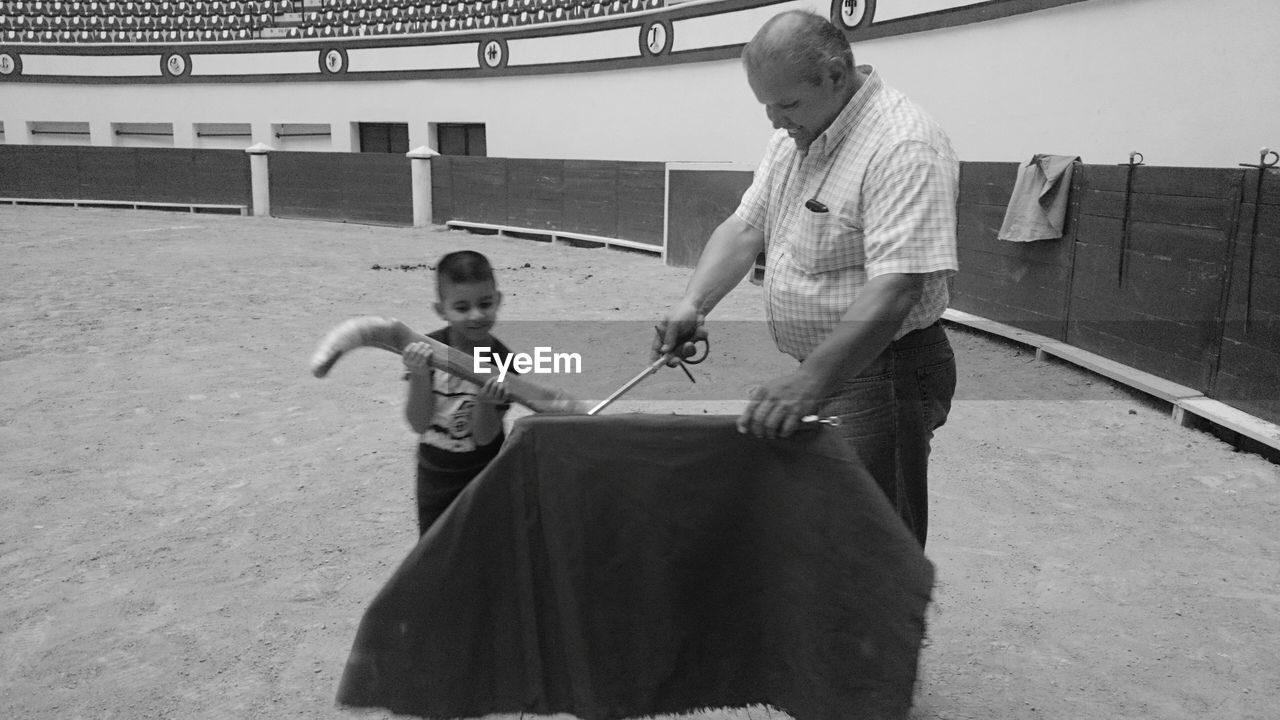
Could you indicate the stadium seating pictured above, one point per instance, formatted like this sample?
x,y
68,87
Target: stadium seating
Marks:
x,y
175,21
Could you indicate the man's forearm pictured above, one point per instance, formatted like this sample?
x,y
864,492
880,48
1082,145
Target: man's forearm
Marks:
x,y
866,328
730,253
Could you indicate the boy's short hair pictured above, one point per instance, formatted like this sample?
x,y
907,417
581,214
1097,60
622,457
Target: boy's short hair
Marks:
x,y
464,266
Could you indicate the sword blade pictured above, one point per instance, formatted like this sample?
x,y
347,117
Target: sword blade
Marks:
x,y
653,367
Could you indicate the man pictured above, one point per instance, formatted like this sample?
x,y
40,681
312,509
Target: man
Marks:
x,y
854,206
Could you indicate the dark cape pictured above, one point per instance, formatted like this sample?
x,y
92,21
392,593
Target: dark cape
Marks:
x,y
629,565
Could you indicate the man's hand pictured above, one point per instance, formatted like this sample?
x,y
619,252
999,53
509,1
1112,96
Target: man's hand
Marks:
x,y
775,408
680,329
417,358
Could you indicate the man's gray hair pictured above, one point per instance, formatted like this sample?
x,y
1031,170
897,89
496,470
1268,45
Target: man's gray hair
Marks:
x,y
800,39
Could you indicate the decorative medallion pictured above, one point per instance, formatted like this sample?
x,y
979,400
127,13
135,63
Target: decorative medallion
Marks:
x,y
333,61
493,53
853,14
655,38
176,65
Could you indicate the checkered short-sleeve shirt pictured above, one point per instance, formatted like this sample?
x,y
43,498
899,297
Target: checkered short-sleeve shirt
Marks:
x,y
889,178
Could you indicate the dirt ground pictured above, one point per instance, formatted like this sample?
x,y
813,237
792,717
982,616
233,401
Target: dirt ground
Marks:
x,y
191,525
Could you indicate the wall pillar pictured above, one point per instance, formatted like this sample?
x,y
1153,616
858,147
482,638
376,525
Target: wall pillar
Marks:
x,y
344,137
184,135
17,131
260,178
102,133
263,134
420,165
420,134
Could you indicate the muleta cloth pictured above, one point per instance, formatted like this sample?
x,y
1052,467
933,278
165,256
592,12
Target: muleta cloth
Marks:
x,y
629,565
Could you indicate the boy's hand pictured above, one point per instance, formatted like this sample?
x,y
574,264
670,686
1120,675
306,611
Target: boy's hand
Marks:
x,y
492,392
417,358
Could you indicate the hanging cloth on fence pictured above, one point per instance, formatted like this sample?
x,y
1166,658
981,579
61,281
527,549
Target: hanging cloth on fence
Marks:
x,y
1038,205
633,565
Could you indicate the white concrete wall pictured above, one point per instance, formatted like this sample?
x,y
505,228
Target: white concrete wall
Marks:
x,y
298,136
221,136
153,135
1186,82
52,133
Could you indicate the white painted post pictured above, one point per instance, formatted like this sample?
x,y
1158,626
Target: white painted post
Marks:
x,y
102,133
260,178
184,135
17,132
420,166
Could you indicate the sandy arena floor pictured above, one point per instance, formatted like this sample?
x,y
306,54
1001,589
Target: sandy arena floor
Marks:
x,y
191,525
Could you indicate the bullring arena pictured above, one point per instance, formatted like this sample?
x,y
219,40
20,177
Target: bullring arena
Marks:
x,y
192,524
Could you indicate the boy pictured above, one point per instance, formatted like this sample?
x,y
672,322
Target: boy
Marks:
x,y
459,423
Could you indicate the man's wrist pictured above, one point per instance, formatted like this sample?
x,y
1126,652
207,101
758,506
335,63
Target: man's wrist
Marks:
x,y
822,369
696,306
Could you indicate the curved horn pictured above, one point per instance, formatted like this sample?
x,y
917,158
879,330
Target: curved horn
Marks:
x,y
392,335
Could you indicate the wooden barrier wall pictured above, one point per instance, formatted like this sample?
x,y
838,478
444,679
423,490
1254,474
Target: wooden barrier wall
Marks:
x,y
698,201
157,175
622,200
1196,299
1247,374
1174,307
1159,312
350,187
1021,284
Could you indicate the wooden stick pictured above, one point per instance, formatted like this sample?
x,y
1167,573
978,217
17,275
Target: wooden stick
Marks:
x,y
392,335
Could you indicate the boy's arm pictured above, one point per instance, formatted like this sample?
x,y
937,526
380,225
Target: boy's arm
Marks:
x,y
420,404
487,412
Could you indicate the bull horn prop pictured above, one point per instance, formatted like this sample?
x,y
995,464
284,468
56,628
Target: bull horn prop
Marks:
x,y
392,335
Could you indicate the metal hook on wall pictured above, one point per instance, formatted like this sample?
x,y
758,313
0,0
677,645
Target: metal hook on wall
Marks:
x,y
1264,162
1267,159
1135,159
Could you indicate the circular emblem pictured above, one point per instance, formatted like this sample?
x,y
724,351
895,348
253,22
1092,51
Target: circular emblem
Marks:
x,y
655,38
853,14
493,53
333,61
10,65
175,65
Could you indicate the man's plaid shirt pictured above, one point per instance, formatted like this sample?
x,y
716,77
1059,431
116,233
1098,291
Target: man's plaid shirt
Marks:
x,y
890,179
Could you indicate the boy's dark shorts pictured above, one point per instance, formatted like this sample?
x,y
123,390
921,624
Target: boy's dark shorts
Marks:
x,y
442,475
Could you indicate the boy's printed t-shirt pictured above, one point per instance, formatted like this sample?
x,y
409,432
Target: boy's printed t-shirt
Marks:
x,y
454,397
